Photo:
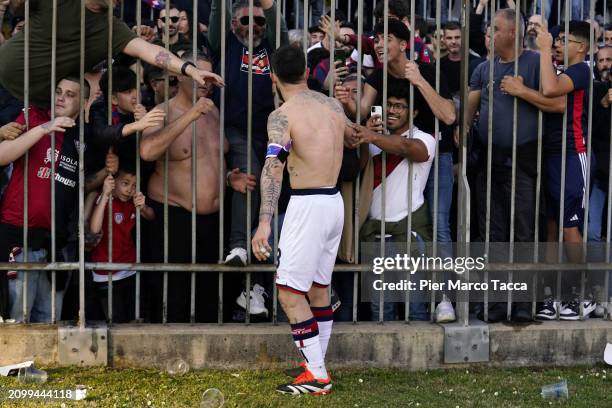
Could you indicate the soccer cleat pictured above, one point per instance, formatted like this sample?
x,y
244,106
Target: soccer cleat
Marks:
x,y
444,311
305,383
257,302
236,257
296,371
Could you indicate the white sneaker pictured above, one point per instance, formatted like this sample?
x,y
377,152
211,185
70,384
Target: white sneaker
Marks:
x,y
236,257
257,303
444,311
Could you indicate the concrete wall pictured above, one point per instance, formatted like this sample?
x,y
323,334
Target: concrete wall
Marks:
x,y
413,346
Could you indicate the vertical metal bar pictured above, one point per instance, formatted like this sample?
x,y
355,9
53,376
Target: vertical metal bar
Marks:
x,y
221,161
122,11
373,15
348,16
109,61
194,164
166,160
53,160
275,243
436,163
464,188
332,45
357,181
249,158
305,32
517,44
297,14
588,161
489,155
138,175
536,227
381,300
410,169
605,12
81,169
26,105
568,6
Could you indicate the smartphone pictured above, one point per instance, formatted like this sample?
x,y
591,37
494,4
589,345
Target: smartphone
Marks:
x,y
376,111
340,55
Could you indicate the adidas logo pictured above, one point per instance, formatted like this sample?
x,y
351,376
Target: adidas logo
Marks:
x,y
574,218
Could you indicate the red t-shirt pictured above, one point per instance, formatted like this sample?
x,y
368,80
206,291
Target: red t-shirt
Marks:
x,y
124,248
39,175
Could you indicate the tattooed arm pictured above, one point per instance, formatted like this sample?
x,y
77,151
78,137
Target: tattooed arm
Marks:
x,y
272,172
158,56
271,182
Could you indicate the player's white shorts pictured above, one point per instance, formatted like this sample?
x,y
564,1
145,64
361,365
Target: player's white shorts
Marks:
x,y
309,239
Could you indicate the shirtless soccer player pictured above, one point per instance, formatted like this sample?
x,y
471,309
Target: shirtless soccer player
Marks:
x,y
306,132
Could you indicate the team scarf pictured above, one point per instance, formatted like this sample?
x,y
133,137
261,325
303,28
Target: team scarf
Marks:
x,y
155,4
115,116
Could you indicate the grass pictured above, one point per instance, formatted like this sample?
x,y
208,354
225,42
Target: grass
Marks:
x,y
472,387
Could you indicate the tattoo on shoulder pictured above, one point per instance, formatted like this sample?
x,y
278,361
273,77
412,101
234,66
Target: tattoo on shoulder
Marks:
x,y
332,103
162,59
278,126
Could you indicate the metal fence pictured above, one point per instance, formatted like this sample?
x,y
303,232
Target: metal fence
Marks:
x,y
462,199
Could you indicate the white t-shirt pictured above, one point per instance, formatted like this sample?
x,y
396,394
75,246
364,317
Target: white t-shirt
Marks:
x,y
396,189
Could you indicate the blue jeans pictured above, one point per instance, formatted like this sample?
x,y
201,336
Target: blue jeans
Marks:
x,y
576,7
418,302
237,158
38,292
597,202
445,195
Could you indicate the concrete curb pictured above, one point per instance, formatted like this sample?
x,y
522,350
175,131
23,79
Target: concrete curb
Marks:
x,y
414,346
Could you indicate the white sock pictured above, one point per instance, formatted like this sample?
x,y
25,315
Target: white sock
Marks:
x,y
307,340
325,320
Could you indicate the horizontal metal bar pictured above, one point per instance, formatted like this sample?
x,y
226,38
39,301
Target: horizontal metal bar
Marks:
x,y
188,267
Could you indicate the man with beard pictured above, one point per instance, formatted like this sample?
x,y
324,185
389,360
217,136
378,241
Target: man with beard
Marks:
x,y
534,23
176,40
236,99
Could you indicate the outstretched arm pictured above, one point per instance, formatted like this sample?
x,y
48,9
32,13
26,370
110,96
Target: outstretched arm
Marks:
x,y
271,183
159,57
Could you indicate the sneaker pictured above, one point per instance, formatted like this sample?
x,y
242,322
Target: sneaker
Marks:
x,y
296,371
236,257
521,313
548,310
257,301
571,311
306,383
444,311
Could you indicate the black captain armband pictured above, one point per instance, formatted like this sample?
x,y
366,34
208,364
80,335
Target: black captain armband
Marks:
x,y
278,151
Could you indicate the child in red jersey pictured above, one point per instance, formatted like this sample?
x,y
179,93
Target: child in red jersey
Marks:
x,y
124,204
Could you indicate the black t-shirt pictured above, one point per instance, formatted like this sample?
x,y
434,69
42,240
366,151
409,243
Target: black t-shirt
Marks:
x,y
425,120
451,71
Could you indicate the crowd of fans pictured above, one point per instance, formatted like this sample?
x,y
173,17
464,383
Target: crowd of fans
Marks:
x,y
168,134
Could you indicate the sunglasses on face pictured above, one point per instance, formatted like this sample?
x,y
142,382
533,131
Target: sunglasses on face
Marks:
x,y
259,20
173,19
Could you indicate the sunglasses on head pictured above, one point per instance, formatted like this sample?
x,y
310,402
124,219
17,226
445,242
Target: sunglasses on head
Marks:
x,y
259,20
174,19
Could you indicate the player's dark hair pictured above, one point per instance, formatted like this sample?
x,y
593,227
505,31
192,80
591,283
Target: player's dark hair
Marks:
x,y
608,27
289,64
124,79
348,24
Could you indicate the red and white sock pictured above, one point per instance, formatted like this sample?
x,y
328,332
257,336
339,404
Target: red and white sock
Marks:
x,y
306,338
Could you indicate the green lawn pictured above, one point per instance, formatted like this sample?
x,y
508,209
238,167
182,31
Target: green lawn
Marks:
x,y
475,387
